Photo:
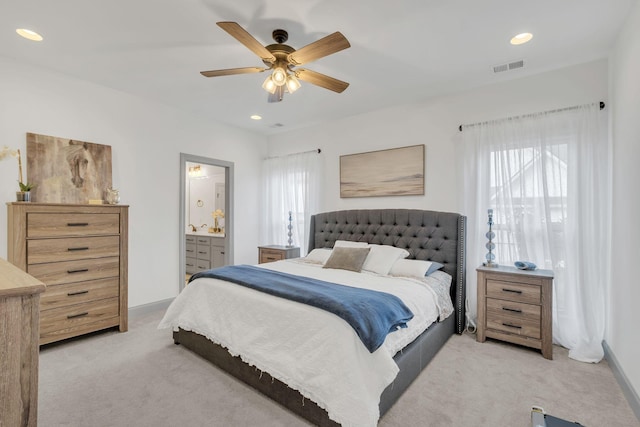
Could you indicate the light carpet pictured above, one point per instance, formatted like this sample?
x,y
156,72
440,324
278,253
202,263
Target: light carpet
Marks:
x,y
140,378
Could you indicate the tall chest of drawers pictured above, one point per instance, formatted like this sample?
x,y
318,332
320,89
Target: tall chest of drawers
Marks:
x,y
80,253
516,306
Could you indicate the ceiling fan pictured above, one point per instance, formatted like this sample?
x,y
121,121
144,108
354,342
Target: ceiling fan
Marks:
x,y
283,60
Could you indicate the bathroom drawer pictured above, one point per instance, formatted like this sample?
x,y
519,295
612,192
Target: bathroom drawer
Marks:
x,y
203,252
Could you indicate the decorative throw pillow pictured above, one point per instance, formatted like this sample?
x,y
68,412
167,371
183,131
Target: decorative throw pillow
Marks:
x,y
382,257
347,259
318,256
349,244
414,268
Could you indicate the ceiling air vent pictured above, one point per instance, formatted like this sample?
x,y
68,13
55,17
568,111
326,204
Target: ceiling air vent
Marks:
x,y
508,67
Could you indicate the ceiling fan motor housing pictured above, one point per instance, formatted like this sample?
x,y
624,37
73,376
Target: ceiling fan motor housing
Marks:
x,y
280,36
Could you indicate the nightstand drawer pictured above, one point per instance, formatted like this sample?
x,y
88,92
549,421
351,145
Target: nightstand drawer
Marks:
x,y
498,309
514,325
510,291
268,255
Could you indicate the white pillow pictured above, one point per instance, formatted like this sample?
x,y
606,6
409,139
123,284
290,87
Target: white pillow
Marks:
x,y
349,244
413,268
382,257
318,256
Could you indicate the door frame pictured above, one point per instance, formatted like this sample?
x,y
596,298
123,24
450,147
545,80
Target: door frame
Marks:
x,y
228,203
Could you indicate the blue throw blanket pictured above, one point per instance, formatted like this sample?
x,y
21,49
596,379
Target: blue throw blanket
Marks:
x,y
371,314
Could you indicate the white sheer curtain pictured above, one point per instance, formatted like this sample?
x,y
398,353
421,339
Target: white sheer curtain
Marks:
x,y
547,178
290,184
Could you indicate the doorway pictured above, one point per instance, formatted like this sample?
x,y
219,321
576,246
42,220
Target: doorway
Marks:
x,y
222,198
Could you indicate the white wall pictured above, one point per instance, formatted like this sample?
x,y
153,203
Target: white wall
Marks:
x,y
146,141
624,316
435,123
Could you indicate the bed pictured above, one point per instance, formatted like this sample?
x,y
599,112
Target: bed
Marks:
x,y
426,235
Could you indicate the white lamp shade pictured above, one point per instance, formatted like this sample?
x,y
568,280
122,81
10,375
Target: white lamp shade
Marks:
x,y
269,85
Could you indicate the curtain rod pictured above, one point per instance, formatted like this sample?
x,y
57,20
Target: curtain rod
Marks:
x,y
317,150
602,105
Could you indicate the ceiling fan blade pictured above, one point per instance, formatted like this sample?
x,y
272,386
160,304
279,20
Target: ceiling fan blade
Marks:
x,y
240,34
325,46
321,80
232,71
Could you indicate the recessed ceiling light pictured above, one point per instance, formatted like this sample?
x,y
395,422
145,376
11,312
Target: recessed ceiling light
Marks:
x,y
256,117
28,34
521,38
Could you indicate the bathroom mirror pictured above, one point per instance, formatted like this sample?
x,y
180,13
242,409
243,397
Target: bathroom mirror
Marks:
x,y
205,193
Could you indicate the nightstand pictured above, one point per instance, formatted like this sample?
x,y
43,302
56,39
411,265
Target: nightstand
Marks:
x,y
276,253
515,306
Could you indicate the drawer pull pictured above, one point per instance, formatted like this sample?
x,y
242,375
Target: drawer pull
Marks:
x,y
511,325
70,294
200,252
85,248
189,250
513,310
80,270
511,290
222,252
73,316
77,224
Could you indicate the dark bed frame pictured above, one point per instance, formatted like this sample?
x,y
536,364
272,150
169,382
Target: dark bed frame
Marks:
x,y
427,235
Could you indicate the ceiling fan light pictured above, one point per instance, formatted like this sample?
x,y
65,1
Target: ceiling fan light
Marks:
x,y
269,85
279,76
292,83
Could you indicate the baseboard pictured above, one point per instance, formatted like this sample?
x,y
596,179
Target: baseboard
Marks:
x,y
141,310
623,381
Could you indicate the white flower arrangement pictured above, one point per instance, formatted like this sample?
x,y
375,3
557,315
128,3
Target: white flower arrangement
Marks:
x,y
7,152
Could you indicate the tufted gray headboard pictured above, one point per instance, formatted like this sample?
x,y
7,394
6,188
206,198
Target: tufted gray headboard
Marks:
x,y
427,235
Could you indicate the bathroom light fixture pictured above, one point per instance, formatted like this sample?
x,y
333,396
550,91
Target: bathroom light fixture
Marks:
x,y
29,34
521,38
195,171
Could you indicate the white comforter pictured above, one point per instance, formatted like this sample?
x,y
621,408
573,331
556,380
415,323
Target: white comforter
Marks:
x,y
309,349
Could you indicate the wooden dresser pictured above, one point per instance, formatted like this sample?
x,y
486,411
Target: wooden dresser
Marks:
x,y
273,253
19,299
515,306
80,253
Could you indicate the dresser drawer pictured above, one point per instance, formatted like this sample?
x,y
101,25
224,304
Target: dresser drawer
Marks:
x,y
513,291
54,250
65,321
71,224
203,252
75,293
75,271
269,255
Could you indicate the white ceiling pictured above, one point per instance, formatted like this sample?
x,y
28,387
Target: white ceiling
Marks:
x,y
402,51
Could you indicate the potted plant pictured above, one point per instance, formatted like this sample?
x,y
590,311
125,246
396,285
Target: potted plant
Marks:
x,y
24,195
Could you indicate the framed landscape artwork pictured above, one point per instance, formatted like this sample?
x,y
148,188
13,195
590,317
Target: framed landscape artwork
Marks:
x,y
67,170
393,172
